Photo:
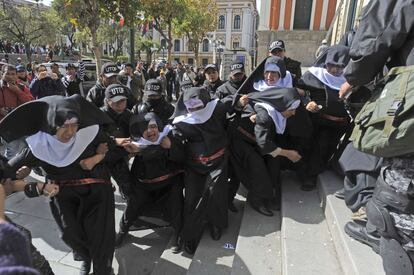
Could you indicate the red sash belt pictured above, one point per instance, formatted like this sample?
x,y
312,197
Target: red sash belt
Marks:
x,y
335,118
80,181
246,134
161,178
216,155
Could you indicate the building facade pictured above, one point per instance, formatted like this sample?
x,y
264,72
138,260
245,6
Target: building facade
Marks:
x,y
236,24
302,24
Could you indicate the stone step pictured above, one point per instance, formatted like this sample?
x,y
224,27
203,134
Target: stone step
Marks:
x,y
216,257
307,246
355,258
258,245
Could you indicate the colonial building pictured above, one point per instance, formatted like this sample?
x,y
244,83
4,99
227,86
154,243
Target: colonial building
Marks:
x,y
235,32
347,18
302,24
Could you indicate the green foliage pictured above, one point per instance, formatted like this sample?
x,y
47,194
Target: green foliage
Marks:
x,y
27,25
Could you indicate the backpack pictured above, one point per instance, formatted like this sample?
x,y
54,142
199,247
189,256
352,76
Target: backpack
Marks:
x,y
385,125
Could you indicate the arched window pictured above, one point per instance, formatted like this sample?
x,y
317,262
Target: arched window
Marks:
x,y
205,45
236,24
163,43
221,22
176,45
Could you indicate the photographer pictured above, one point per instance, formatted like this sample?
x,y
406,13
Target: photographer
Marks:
x,y
11,97
46,84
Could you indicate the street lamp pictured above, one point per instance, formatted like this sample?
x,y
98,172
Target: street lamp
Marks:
x,y
220,49
153,50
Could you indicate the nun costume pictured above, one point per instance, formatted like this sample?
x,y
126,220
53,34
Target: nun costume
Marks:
x,y
329,116
202,123
156,174
64,138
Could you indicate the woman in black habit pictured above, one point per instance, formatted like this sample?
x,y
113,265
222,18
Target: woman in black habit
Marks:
x,y
254,139
64,138
156,174
329,116
202,124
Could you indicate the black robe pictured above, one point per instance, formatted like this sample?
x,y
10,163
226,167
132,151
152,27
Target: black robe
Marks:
x,y
84,213
149,191
205,181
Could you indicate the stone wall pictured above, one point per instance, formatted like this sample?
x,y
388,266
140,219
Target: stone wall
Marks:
x,y
300,45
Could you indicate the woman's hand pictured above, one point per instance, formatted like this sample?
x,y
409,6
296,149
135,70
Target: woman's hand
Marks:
x,y
89,163
253,118
122,141
131,148
102,148
166,143
243,101
292,155
50,190
23,172
312,107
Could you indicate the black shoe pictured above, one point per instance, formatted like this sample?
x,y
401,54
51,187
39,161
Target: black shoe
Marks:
x,y
120,238
177,244
215,232
85,267
308,184
232,207
359,233
190,247
340,194
260,207
273,204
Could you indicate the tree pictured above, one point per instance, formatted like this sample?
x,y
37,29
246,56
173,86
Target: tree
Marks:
x,y
162,14
66,28
23,23
87,15
200,18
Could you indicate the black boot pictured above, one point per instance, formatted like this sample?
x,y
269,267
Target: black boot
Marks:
x,y
340,194
123,231
215,232
360,233
85,267
177,244
260,206
190,247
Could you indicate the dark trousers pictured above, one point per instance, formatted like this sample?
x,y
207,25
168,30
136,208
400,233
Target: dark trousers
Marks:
x,y
86,216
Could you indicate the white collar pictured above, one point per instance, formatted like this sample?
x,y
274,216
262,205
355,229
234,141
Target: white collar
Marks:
x,y
199,116
278,119
285,82
334,82
49,149
144,142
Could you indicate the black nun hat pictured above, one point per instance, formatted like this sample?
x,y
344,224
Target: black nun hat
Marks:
x,y
49,113
139,123
200,93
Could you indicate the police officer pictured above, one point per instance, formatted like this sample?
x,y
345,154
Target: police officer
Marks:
x,y
277,48
236,78
116,108
154,101
385,37
108,76
213,80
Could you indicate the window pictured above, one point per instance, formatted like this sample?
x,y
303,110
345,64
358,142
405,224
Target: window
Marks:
x,y
303,10
221,22
163,43
190,61
204,62
236,24
236,44
205,45
176,45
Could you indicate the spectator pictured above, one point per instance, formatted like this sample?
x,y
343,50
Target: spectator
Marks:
x,y
73,79
46,84
132,81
